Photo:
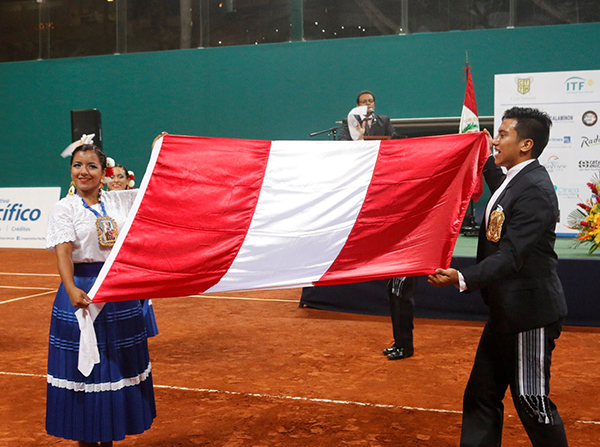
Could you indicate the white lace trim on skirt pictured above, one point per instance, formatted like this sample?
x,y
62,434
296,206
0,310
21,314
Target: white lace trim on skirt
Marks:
x,y
99,387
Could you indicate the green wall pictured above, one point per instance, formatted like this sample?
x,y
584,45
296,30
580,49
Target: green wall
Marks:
x,y
274,91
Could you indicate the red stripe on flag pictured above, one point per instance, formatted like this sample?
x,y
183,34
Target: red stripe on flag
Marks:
x,y
471,104
413,210
219,181
470,94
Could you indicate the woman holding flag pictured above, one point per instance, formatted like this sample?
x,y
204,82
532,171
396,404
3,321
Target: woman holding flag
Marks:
x,y
115,398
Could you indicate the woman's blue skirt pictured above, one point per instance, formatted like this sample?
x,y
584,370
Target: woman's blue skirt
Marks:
x,y
149,318
117,399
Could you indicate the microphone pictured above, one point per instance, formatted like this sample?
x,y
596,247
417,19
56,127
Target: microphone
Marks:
x,y
371,111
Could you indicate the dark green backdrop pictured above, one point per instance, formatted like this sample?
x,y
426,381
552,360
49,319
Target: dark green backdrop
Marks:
x,y
274,91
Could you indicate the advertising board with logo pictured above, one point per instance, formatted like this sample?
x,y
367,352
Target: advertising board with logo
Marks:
x,y
24,215
572,99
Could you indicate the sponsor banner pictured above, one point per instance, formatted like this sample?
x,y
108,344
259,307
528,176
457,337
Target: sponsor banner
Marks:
x,y
24,214
569,195
572,99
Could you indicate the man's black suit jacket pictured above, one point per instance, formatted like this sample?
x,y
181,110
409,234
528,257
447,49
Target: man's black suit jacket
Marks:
x,y
382,126
517,275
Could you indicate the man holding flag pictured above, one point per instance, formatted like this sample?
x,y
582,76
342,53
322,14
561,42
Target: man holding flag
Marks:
x,y
516,273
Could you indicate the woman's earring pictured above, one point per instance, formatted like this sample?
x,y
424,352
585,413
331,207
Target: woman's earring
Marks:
x,y
72,189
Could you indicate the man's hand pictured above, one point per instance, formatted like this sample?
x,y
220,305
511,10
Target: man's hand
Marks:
x,y
490,139
361,130
444,278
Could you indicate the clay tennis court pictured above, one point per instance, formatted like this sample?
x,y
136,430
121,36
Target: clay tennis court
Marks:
x,y
253,369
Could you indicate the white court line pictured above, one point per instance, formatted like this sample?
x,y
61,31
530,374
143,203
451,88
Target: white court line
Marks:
x,y
306,399
28,296
243,298
271,396
28,274
4,373
29,288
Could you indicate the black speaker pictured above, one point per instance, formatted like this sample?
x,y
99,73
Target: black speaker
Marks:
x,y
86,122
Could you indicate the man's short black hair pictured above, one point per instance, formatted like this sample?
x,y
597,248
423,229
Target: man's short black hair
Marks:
x,y
531,124
364,92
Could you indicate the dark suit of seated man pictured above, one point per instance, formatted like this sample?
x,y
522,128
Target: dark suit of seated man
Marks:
x,y
373,124
516,273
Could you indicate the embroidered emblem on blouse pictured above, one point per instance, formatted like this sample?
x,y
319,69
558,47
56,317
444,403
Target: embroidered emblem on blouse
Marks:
x,y
107,231
106,226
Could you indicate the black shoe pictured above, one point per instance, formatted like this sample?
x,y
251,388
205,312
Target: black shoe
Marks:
x,y
401,353
388,351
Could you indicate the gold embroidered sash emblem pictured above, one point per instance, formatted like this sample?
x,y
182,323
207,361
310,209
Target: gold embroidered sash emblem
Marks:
x,y
494,228
107,231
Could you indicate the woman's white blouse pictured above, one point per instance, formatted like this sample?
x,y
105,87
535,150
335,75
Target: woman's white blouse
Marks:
x,y
69,221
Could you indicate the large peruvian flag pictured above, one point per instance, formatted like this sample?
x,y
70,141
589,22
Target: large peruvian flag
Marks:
x,y
217,215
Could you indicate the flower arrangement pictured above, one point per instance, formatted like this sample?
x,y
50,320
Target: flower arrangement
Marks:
x,y
586,217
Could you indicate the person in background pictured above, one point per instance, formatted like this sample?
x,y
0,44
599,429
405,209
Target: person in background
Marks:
x,y
373,124
516,273
121,179
401,293
117,397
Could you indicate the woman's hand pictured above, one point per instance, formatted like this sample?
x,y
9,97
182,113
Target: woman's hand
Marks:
x,y
79,298
160,135
64,255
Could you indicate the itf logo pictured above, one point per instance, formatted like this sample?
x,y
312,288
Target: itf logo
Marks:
x,y
575,84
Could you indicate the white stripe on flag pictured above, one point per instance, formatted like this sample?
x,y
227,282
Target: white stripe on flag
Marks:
x,y
310,198
469,121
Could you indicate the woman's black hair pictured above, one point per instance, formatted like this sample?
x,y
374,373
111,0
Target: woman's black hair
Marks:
x,y
124,170
91,147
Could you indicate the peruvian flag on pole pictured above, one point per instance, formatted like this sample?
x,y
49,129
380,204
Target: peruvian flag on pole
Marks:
x,y
469,121
219,215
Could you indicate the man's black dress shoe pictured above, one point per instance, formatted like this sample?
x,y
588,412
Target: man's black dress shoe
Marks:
x,y
388,351
401,353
